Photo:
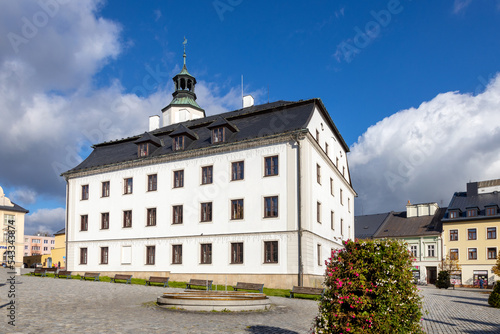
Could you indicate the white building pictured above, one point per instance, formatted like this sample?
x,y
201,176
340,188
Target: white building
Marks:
x,y
260,194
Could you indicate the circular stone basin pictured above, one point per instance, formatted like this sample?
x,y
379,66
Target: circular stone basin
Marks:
x,y
215,301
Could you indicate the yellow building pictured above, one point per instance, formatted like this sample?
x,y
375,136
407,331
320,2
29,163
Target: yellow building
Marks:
x,y
12,243
470,232
58,254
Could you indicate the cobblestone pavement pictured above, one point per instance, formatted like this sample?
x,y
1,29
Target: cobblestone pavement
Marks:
x,y
48,305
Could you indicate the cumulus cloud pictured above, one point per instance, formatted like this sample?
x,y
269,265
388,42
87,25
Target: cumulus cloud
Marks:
x,y
425,154
44,220
23,196
51,111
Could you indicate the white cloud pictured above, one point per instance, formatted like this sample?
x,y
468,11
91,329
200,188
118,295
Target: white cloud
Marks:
x,y
460,5
44,220
23,196
427,153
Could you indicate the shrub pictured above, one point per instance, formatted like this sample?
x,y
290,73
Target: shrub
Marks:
x,y
443,280
369,289
494,299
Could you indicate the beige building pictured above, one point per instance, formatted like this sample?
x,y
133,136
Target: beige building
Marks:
x,y
470,232
12,243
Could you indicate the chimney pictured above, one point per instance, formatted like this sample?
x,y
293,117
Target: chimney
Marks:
x,y
472,189
248,101
154,122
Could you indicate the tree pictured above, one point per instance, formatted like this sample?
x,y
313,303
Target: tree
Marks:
x,y
369,289
450,265
443,280
496,267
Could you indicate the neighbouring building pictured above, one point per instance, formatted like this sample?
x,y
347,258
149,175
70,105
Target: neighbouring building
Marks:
x,y
38,244
470,229
12,216
419,226
259,194
58,253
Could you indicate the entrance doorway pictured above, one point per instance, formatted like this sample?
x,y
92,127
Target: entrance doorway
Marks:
x,y
431,275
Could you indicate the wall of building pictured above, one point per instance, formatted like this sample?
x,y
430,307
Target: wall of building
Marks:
x,y
18,217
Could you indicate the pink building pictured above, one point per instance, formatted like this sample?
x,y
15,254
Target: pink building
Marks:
x,y
38,245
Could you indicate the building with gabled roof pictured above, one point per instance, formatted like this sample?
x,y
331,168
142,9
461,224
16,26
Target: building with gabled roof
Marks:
x,y
470,228
259,194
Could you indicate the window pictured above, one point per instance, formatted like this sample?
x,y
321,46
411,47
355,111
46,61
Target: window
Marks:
x,y
127,185
206,254
318,251
104,220
236,252
142,150
84,222
453,235
236,209
332,220
150,254
206,175
104,255
85,192
35,241
491,232
52,242
453,214
349,204
206,212
7,218
177,214
471,234
45,248
317,136
25,246
342,226
318,212
414,250
177,254
343,170
472,253
331,186
218,135
271,165
270,206
45,241
83,255
491,211
105,189
454,254
178,143
471,212
337,162
237,170
151,219
326,148
270,252
179,179
318,173
152,182
127,218
492,253
341,198
431,251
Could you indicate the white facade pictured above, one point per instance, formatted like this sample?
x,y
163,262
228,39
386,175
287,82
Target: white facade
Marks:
x,y
330,194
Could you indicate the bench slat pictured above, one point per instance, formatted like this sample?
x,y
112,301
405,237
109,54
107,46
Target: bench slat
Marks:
x,y
306,290
126,278
199,282
95,276
249,286
158,279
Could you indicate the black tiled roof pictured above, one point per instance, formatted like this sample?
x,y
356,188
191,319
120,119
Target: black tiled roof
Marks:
x,y
398,225
253,122
61,231
365,226
461,201
15,208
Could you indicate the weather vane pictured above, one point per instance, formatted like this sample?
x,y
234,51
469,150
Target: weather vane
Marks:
x,y
185,42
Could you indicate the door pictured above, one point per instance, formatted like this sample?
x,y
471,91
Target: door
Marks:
x,y
431,275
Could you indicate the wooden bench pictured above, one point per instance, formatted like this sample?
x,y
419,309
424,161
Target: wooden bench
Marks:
x,y
63,273
249,286
50,270
40,271
158,279
306,290
121,277
95,276
199,282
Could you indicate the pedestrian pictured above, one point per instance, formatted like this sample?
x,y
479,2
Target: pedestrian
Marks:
x,y
481,283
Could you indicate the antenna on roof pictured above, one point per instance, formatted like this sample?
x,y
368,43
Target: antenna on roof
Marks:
x,y
242,90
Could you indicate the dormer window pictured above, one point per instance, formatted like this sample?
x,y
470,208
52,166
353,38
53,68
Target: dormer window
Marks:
x,y
454,214
472,212
491,211
218,135
179,143
143,150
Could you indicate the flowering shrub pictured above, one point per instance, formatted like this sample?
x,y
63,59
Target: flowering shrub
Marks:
x,y
369,289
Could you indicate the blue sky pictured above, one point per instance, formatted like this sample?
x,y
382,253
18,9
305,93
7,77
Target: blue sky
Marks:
x,y
95,70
